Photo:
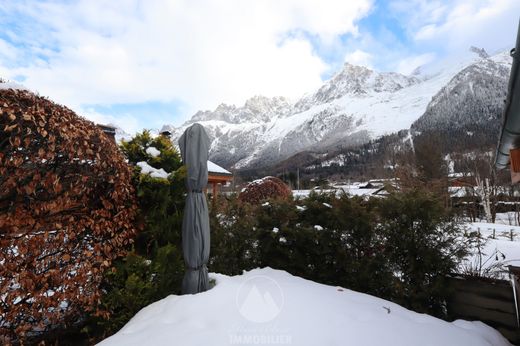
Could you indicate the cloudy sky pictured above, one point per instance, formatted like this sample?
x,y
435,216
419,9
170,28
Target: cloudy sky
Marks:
x,y
141,64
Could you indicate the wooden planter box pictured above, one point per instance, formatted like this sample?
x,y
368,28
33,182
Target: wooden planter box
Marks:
x,y
487,300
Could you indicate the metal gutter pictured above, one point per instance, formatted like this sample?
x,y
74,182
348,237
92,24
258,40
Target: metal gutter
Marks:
x,y
510,133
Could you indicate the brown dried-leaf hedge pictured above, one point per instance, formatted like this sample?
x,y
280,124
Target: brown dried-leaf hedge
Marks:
x,y
67,209
265,188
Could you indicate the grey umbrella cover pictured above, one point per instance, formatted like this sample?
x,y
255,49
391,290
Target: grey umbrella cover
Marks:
x,y
194,145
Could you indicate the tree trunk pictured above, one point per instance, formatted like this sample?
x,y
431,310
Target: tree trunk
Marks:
x,y
484,193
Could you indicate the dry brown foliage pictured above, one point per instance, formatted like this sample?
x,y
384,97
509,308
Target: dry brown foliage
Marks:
x,y
67,209
265,188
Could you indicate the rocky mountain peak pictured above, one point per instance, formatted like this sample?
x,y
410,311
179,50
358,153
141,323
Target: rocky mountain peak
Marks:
x,y
261,103
481,52
357,81
256,109
417,71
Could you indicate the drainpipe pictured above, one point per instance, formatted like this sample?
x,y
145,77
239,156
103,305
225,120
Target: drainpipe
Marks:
x,y
512,277
510,133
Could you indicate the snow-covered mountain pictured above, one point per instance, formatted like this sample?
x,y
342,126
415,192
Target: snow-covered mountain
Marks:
x,y
473,96
356,105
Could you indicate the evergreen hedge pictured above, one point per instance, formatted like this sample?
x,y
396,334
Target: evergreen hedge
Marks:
x,y
399,248
153,268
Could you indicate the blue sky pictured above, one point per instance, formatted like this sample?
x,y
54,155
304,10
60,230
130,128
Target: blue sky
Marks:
x,y
140,64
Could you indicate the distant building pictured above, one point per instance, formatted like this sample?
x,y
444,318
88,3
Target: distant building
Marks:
x,y
461,180
217,176
166,130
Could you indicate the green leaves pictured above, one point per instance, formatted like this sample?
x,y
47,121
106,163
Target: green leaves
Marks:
x,y
135,150
399,248
154,268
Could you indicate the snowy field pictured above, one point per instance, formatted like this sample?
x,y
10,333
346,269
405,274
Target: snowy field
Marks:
x,y
497,248
352,190
266,307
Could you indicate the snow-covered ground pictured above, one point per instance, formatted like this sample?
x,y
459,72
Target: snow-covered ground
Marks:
x,y
353,189
497,249
509,218
266,306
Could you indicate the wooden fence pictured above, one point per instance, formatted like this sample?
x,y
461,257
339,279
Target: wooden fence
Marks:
x,y
490,301
494,235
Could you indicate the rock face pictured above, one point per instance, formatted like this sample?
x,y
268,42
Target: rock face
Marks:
x,y
353,107
473,96
356,81
263,189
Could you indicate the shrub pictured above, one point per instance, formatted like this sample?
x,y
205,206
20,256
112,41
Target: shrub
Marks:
x,y
399,248
136,282
138,148
67,208
154,267
321,238
423,246
234,243
263,189
356,258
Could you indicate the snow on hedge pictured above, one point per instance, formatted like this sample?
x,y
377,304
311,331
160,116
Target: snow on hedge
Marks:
x,y
154,172
153,151
267,306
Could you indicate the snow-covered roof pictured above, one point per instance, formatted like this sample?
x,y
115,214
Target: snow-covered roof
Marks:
x,y
214,168
459,175
167,128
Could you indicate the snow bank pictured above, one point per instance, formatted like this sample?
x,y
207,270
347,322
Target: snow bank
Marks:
x,y
154,172
493,249
352,190
266,306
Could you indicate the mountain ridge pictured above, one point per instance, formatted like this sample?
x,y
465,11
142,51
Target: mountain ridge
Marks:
x,y
354,106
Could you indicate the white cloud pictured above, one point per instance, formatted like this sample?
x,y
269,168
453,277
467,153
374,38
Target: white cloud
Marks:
x,y
199,53
417,13
126,121
410,63
359,57
7,51
491,24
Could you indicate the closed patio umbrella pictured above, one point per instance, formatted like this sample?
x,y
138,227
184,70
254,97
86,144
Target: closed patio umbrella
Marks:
x,y
194,145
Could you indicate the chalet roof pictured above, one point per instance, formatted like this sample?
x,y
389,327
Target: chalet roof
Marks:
x,y
107,128
167,130
510,132
213,168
